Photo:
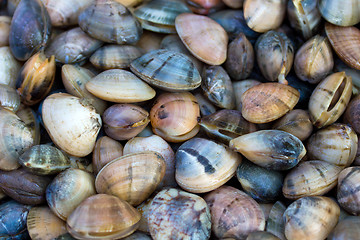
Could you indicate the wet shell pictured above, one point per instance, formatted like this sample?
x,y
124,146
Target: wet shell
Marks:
x,y
168,70
5,22
9,98
132,177
110,21
77,117
204,37
29,117
348,191
9,67
348,228
268,101
273,149
43,224
300,215
103,217
203,165
233,213
240,87
175,214
340,12
275,223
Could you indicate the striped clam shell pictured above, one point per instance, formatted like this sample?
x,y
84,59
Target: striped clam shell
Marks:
x,y
340,12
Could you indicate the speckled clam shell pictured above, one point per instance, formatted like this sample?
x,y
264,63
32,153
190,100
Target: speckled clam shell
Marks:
x,y
5,22
273,149
204,37
9,67
347,228
77,117
168,70
348,193
110,21
340,12
175,214
103,217
9,98
234,214
275,223
132,177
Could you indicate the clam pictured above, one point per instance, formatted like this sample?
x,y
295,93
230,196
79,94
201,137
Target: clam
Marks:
x,y
300,218
340,12
204,37
168,70
30,29
275,223
68,190
71,122
352,113
240,87
132,177
9,67
206,107
175,214
261,235
11,6
273,149
110,21
203,165
5,22
348,193
204,7
347,228
143,209
119,86
29,117
234,3
149,41
329,99
233,213
9,98
129,3
103,217
125,121
268,101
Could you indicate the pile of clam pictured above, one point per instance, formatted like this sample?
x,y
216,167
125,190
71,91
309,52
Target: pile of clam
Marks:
x,y
174,119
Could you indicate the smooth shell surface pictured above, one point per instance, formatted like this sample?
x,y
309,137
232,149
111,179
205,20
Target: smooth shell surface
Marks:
x,y
9,67
340,12
347,228
348,192
9,98
5,22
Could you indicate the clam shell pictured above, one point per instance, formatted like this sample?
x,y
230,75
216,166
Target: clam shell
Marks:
x,y
9,67
143,209
261,235
240,87
275,223
206,107
347,228
5,22
138,236
9,98
234,3
340,12
352,113
129,3
348,193
149,41
29,117
204,7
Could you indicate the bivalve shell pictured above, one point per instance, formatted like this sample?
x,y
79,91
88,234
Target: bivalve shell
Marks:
x,y
348,191
9,67
9,98
5,22
347,228
340,12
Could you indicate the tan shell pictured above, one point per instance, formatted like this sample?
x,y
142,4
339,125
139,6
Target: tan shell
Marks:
x,y
9,98
29,117
9,67
234,3
5,22
240,87
149,41
348,193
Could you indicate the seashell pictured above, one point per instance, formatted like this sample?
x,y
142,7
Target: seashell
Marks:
x,y
129,3
352,113
175,214
65,13
125,121
9,98
103,217
29,117
106,150
78,118
263,185
9,67
234,3
204,7
30,29
233,213
263,16
5,22
275,223
329,99
342,13
299,218
206,107
11,6
149,41
74,79
346,43
110,21
266,208
115,56
310,178
119,86
336,144
210,36
36,78
44,160
297,122
72,46
261,235
68,190
203,165
138,236
15,138
159,145
226,124
174,116
23,186
314,60
348,193
132,177
159,15
168,70
240,59
273,149
44,224
143,209
347,228
268,101
240,87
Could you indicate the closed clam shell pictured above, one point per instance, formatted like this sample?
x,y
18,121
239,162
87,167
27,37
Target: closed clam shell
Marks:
x,y
29,117
9,67
203,165
234,214
5,22
273,149
120,86
68,190
103,217
300,218
132,177
240,87
348,193
310,178
336,144
9,98
268,101
340,12
347,228
261,235
110,21
77,117
30,29
43,224
168,70
329,99
275,223
352,113
204,37
175,214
